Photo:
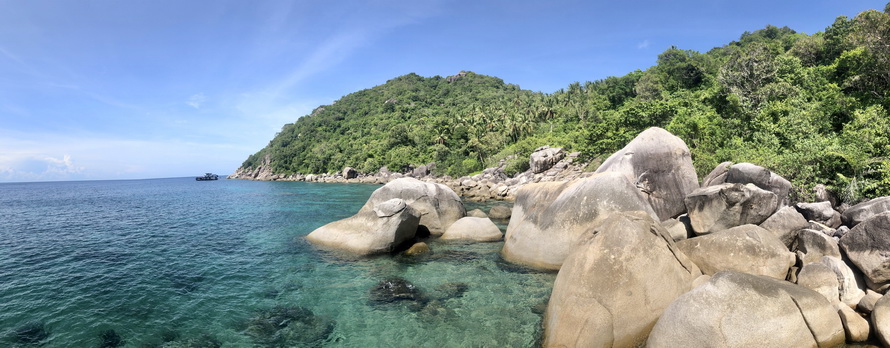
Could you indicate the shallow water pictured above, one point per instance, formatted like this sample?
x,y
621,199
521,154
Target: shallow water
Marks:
x,y
169,262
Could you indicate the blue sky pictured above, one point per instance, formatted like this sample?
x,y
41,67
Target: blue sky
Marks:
x,y
143,89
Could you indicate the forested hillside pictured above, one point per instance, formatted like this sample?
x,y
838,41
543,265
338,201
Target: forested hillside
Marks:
x,y
812,108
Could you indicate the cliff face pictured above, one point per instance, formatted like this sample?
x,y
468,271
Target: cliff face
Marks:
x,y
260,172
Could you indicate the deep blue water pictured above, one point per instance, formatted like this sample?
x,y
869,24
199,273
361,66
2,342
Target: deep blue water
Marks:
x,y
181,263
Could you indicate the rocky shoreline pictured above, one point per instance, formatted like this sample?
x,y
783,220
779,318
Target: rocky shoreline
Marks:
x,y
546,165
646,253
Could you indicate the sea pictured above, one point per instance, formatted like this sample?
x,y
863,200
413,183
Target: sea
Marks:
x,y
183,263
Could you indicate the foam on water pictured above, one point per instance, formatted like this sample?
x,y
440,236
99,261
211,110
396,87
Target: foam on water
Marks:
x,y
179,261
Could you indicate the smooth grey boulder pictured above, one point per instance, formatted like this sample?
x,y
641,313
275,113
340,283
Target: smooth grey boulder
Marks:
x,y
660,166
500,212
719,207
349,173
862,211
676,229
850,284
544,158
820,278
747,248
377,230
820,212
823,194
855,326
473,229
742,310
747,173
867,303
785,224
880,319
615,283
716,176
868,246
813,245
438,205
548,217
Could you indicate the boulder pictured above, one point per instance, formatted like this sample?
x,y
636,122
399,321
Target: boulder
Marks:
x,y
418,248
716,208
437,204
747,173
660,165
820,212
855,326
477,213
880,319
823,194
867,303
500,212
473,229
813,245
862,211
820,278
742,310
868,246
747,248
543,158
716,176
785,224
548,217
850,285
349,173
676,229
615,284
379,230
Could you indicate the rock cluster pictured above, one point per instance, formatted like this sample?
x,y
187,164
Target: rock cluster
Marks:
x,y
647,256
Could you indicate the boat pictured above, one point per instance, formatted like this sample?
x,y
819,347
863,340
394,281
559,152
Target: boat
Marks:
x,y
208,176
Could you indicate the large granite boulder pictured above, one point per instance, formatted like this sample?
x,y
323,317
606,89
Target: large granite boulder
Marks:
x,y
786,223
660,165
716,208
821,212
615,283
438,205
880,318
820,278
380,230
862,211
747,248
716,176
548,217
850,283
812,245
855,326
544,157
868,246
473,229
741,310
747,173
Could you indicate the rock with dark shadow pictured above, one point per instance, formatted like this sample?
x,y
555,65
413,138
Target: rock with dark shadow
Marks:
x,y
290,326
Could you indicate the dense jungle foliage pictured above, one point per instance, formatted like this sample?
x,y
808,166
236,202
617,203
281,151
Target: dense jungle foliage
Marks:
x,y
813,108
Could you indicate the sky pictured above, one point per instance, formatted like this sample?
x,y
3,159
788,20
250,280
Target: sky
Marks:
x,y
97,90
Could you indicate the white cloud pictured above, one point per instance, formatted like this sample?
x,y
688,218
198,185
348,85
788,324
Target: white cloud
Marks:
x,y
643,45
196,100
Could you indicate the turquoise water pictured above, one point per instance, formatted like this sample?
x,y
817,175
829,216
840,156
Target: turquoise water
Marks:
x,y
180,263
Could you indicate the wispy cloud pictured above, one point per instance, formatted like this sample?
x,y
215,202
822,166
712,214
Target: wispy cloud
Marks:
x,y
643,45
196,100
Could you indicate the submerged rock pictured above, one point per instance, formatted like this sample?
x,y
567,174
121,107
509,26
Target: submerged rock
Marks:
x,y
395,289
288,327
201,341
110,339
30,333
